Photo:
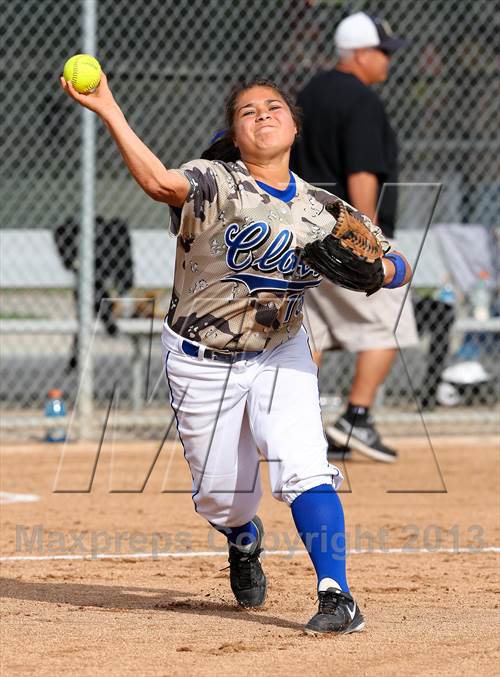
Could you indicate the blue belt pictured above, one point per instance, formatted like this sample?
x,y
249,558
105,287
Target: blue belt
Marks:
x,y
218,355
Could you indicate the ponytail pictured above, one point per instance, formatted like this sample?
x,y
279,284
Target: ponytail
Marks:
x,y
222,148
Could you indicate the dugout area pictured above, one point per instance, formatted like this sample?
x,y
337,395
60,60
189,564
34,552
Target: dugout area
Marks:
x,y
88,588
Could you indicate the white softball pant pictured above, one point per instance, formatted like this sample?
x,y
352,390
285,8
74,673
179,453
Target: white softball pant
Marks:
x,y
227,414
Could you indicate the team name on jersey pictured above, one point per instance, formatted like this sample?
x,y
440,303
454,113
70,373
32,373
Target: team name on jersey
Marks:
x,y
278,256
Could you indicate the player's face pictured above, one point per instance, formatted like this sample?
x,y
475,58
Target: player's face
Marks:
x,y
375,64
263,124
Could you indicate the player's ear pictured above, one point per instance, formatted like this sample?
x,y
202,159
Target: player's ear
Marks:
x,y
357,55
360,56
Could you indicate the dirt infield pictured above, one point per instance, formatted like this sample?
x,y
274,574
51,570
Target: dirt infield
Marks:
x,y
114,583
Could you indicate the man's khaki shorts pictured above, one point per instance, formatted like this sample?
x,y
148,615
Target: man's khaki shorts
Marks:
x,y
339,318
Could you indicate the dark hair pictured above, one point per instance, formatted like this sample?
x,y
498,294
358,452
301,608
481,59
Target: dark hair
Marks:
x,y
223,148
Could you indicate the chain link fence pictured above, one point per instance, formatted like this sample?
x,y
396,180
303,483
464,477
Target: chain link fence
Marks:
x,y
170,65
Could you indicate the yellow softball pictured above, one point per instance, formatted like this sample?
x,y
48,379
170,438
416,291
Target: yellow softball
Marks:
x,y
83,71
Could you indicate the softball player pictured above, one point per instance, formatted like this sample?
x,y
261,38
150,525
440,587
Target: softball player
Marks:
x,y
242,381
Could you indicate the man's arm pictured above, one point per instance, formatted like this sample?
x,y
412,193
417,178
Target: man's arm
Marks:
x,y
362,188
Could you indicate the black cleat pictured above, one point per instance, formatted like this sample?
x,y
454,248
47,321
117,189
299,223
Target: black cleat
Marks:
x,y
361,437
336,452
338,614
248,581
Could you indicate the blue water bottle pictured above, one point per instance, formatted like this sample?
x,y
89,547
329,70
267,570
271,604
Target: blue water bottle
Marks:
x,y
55,408
446,293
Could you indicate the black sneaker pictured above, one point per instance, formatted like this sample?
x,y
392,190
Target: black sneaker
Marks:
x,y
338,613
248,581
336,452
362,437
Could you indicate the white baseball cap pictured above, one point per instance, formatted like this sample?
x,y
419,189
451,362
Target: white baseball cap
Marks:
x,y
363,30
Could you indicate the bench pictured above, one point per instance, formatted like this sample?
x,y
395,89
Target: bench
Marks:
x,y
434,267
29,261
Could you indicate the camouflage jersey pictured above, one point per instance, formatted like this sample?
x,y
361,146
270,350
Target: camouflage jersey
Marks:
x,y
239,284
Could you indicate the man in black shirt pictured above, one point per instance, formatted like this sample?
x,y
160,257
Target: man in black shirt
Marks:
x,y
348,147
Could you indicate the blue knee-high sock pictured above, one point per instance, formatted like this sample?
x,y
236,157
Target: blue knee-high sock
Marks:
x,y
242,537
319,518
